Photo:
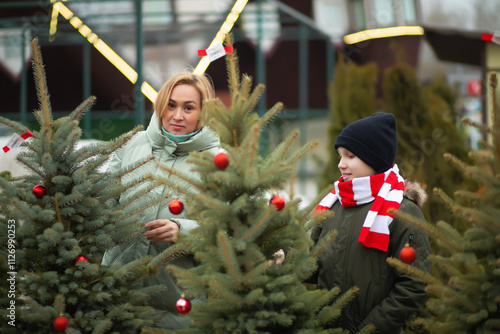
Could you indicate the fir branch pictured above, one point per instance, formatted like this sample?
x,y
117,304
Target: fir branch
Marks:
x,y
31,166
83,107
303,151
233,73
141,209
181,273
432,230
330,313
222,290
214,203
256,271
229,257
130,170
41,85
169,254
59,304
16,126
482,220
413,271
179,175
37,307
138,196
259,224
252,100
58,212
270,114
86,154
102,326
322,243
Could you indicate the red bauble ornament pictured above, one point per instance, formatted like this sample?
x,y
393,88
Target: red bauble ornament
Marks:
x,y
176,206
408,254
81,258
61,324
279,201
39,191
221,160
183,305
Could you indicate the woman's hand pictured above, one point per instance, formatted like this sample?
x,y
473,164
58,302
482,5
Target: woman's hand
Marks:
x,y
161,230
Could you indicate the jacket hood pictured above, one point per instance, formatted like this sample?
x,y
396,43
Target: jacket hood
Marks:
x,y
159,141
415,193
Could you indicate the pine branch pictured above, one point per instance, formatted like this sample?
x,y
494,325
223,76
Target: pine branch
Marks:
x,y
330,313
432,230
174,172
323,242
233,73
182,273
59,304
37,307
142,208
16,126
258,225
171,253
227,254
413,271
472,172
31,166
85,154
222,290
45,114
256,271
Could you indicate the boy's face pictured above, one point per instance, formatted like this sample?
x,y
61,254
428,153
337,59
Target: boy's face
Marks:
x,y
351,166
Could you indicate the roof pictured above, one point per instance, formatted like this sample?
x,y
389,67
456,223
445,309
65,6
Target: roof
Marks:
x,y
456,45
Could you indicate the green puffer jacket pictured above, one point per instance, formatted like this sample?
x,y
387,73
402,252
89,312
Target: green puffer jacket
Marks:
x,y
386,297
170,154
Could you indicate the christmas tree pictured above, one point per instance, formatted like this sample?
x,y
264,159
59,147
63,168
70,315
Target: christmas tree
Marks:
x,y
464,290
57,221
427,128
245,218
420,146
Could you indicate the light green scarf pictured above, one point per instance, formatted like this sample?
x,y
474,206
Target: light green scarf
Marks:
x,y
178,138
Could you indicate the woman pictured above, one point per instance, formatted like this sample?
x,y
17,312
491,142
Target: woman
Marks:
x,y
368,233
174,131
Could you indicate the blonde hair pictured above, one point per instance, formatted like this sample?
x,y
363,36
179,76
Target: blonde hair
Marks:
x,y
201,82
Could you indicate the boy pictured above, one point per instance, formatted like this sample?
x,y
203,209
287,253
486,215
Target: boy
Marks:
x,y
367,234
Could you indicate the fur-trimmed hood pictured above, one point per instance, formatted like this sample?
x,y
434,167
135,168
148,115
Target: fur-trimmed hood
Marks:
x,y
415,193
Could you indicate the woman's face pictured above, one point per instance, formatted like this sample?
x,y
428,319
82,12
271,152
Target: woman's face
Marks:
x,y
351,166
183,109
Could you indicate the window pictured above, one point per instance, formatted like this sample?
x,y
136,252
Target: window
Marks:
x,y
331,16
409,11
383,13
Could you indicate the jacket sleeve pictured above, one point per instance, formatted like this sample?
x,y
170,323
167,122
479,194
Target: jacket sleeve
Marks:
x,y
408,294
185,225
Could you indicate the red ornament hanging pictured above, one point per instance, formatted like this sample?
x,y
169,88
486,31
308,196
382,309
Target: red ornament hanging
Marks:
x,y
183,305
176,206
221,160
61,324
278,201
408,254
39,191
81,258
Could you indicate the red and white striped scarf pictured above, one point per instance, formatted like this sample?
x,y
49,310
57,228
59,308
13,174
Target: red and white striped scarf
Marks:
x,y
384,189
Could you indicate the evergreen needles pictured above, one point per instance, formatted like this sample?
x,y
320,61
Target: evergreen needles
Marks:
x,y
53,242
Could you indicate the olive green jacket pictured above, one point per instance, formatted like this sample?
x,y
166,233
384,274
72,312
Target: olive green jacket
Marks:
x,y
173,155
386,298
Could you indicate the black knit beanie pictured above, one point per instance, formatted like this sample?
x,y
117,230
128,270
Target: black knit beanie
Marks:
x,y
373,139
